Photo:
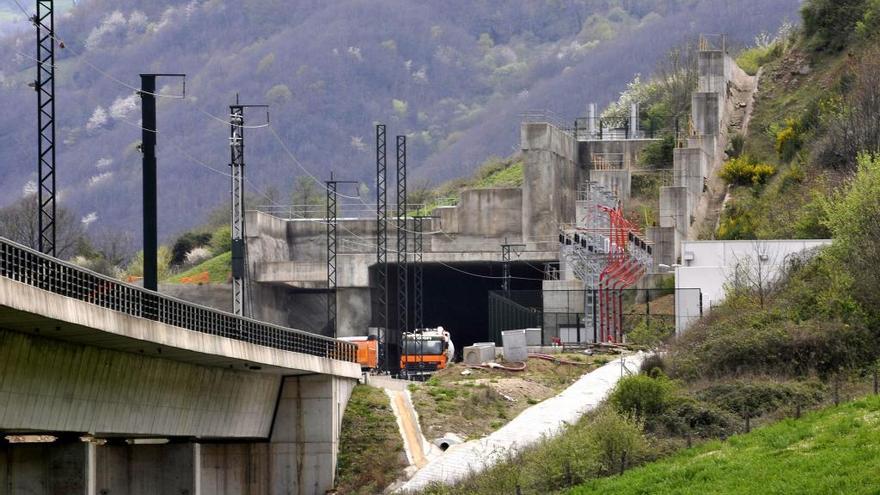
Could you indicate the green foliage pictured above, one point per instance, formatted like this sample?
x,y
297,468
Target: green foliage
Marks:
x,y
745,171
136,266
832,451
221,240
617,439
754,58
650,334
829,24
219,270
687,416
737,143
852,216
370,448
754,398
869,24
658,154
641,395
737,223
738,340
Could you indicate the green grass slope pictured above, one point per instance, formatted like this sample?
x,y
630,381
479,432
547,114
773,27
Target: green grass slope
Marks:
x,y
219,270
836,450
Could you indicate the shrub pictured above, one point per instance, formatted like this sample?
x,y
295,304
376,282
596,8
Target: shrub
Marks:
x,y
745,171
658,154
828,24
186,243
616,439
689,416
221,240
852,217
789,140
754,398
641,395
737,144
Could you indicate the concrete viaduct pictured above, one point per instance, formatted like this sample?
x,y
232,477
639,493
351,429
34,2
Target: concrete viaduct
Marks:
x,y
146,394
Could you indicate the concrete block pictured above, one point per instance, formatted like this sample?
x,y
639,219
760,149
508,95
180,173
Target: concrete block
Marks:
x,y
533,336
515,348
706,110
478,354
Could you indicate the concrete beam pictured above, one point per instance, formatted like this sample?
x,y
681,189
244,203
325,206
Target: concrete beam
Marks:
x,y
54,386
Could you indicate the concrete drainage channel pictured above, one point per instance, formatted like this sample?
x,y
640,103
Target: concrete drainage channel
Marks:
x,y
546,419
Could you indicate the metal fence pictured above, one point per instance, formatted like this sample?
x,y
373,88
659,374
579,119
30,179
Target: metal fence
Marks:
x,y
30,267
573,316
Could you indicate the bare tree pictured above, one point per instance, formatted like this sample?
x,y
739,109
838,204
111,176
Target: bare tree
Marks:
x,y
678,75
755,275
18,223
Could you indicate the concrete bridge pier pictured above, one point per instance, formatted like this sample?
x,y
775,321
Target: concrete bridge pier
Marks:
x,y
46,468
138,469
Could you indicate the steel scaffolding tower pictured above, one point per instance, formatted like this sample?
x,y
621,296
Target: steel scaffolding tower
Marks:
x,y
44,20
241,301
382,243
418,272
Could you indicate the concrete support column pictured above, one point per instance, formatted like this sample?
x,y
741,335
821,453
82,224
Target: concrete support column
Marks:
x,y
550,181
676,208
305,436
235,469
46,468
172,469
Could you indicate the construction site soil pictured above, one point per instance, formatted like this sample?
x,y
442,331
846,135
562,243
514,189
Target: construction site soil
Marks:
x,y
473,402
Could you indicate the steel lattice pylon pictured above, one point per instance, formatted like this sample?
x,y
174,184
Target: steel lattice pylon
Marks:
x,y
241,297
402,268
44,20
236,146
332,246
382,243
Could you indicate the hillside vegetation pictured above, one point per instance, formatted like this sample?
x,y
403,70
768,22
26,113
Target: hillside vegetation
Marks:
x,y
453,76
833,451
776,347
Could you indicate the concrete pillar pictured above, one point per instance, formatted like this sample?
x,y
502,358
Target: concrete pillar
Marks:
x,y
706,109
305,436
235,469
172,468
633,121
665,249
550,181
675,208
689,167
46,469
592,121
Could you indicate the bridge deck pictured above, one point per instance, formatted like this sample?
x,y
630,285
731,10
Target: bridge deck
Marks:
x,y
45,296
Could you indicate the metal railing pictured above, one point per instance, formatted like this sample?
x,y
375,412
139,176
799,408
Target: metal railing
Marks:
x,y
30,267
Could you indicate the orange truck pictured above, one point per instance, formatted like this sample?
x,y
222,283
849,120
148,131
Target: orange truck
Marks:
x,y
367,351
426,351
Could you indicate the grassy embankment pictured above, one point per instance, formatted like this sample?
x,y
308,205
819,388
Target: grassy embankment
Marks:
x,y
836,450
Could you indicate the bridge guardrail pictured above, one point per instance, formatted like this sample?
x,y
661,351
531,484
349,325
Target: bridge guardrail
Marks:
x,y
31,267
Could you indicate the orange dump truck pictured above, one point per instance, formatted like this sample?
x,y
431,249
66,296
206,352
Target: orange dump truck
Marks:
x,y
426,351
367,351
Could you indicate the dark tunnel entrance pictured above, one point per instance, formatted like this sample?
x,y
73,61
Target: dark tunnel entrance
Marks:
x,y
456,297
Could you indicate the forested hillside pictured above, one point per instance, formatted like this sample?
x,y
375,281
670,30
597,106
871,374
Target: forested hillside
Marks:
x,y
454,76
